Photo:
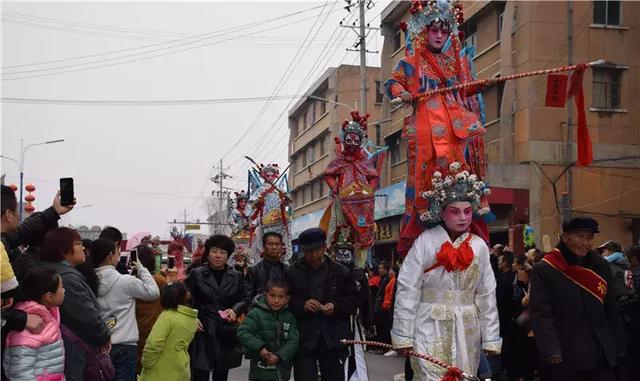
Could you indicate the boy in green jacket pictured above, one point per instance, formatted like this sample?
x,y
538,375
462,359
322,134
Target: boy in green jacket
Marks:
x,y
269,334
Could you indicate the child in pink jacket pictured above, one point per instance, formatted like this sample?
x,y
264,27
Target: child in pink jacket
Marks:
x,y
38,357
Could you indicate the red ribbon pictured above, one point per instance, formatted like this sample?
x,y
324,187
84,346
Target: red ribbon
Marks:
x,y
453,374
585,151
452,258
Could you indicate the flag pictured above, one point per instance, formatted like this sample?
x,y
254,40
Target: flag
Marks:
x,y
556,90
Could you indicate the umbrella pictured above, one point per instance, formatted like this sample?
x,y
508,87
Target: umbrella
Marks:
x,y
136,240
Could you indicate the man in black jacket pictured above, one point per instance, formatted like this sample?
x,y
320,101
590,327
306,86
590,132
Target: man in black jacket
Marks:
x,y
573,308
270,267
323,297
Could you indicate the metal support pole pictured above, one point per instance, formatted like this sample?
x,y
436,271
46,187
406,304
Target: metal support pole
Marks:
x,y
569,147
363,61
21,176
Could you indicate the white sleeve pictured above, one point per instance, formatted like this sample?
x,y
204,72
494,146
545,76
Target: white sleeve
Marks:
x,y
485,301
409,284
144,287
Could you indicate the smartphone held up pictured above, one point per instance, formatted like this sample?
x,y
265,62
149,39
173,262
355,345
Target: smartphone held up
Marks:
x,y
67,196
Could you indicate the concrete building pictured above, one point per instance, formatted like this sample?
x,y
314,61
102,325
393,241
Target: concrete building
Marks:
x,y
313,125
526,142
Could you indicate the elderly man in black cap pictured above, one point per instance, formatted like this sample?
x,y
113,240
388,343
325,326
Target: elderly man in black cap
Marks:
x,y
323,296
573,308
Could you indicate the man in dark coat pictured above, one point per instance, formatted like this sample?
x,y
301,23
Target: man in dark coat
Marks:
x,y
323,297
573,308
270,267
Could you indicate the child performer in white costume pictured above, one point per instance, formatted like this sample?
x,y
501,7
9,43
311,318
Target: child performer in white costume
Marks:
x,y
445,304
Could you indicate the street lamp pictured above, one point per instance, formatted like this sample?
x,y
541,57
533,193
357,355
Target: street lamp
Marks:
x,y
23,151
329,101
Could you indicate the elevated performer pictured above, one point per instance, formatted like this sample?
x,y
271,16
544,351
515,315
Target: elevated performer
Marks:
x,y
445,304
443,128
353,178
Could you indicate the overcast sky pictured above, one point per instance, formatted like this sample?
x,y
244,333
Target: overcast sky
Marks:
x,y
138,166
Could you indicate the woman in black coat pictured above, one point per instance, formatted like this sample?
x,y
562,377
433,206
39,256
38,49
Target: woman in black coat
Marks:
x,y
218,295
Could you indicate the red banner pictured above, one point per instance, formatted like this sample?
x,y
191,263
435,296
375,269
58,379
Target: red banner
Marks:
x,y
556,90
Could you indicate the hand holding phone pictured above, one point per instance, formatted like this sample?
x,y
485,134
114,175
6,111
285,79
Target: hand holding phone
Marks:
x,y
133,256
66,191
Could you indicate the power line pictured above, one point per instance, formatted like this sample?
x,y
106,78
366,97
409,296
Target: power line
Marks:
x,y
220,32
168,102
138,54
303,85
317,65
286,75
52,20
78,67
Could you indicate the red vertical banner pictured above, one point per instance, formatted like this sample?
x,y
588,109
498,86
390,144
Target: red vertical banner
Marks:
x,y
556,90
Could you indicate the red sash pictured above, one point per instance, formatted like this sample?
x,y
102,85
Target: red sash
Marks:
x,y
583,277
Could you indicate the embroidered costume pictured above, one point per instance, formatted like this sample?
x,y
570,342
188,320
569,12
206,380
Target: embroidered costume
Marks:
x,y
443,128
270,206
239,221
445,303
353,178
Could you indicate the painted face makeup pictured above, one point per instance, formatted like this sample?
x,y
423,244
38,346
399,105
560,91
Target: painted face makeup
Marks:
x,y
457,216
270,177
437,36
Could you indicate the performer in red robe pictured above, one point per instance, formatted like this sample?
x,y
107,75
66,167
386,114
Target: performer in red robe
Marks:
x,y
444,128
353,178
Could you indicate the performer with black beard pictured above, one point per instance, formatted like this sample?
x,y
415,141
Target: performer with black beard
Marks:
x,y
343,251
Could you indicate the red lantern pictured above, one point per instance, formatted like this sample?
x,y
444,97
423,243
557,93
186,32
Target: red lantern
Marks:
x,y
13,187
29,198
30,188
29,208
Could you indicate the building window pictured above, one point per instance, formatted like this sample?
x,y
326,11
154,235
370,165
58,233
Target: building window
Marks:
x,y
470,35
294,130
606,88
378,135
500,19
303,194
304,121
293,164
308,196
323,107
397,38
379,94
304,159
318,190
323,145
606,12
311,154
313,113
500,88
393,142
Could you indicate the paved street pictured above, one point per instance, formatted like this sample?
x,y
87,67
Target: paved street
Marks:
x,y
380,369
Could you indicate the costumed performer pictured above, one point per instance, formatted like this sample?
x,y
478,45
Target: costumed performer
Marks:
x,y
445,303
239,221
353,178
270,212
443,128
343,250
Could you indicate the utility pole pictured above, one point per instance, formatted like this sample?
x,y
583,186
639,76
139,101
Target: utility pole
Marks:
x,y
569,147
362,31
222,194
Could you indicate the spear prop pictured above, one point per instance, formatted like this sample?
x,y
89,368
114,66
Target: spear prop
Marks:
x,y
484,82
585,149
452,373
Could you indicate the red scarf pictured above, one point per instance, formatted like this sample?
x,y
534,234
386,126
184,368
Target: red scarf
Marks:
x,y
452,258
582,276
